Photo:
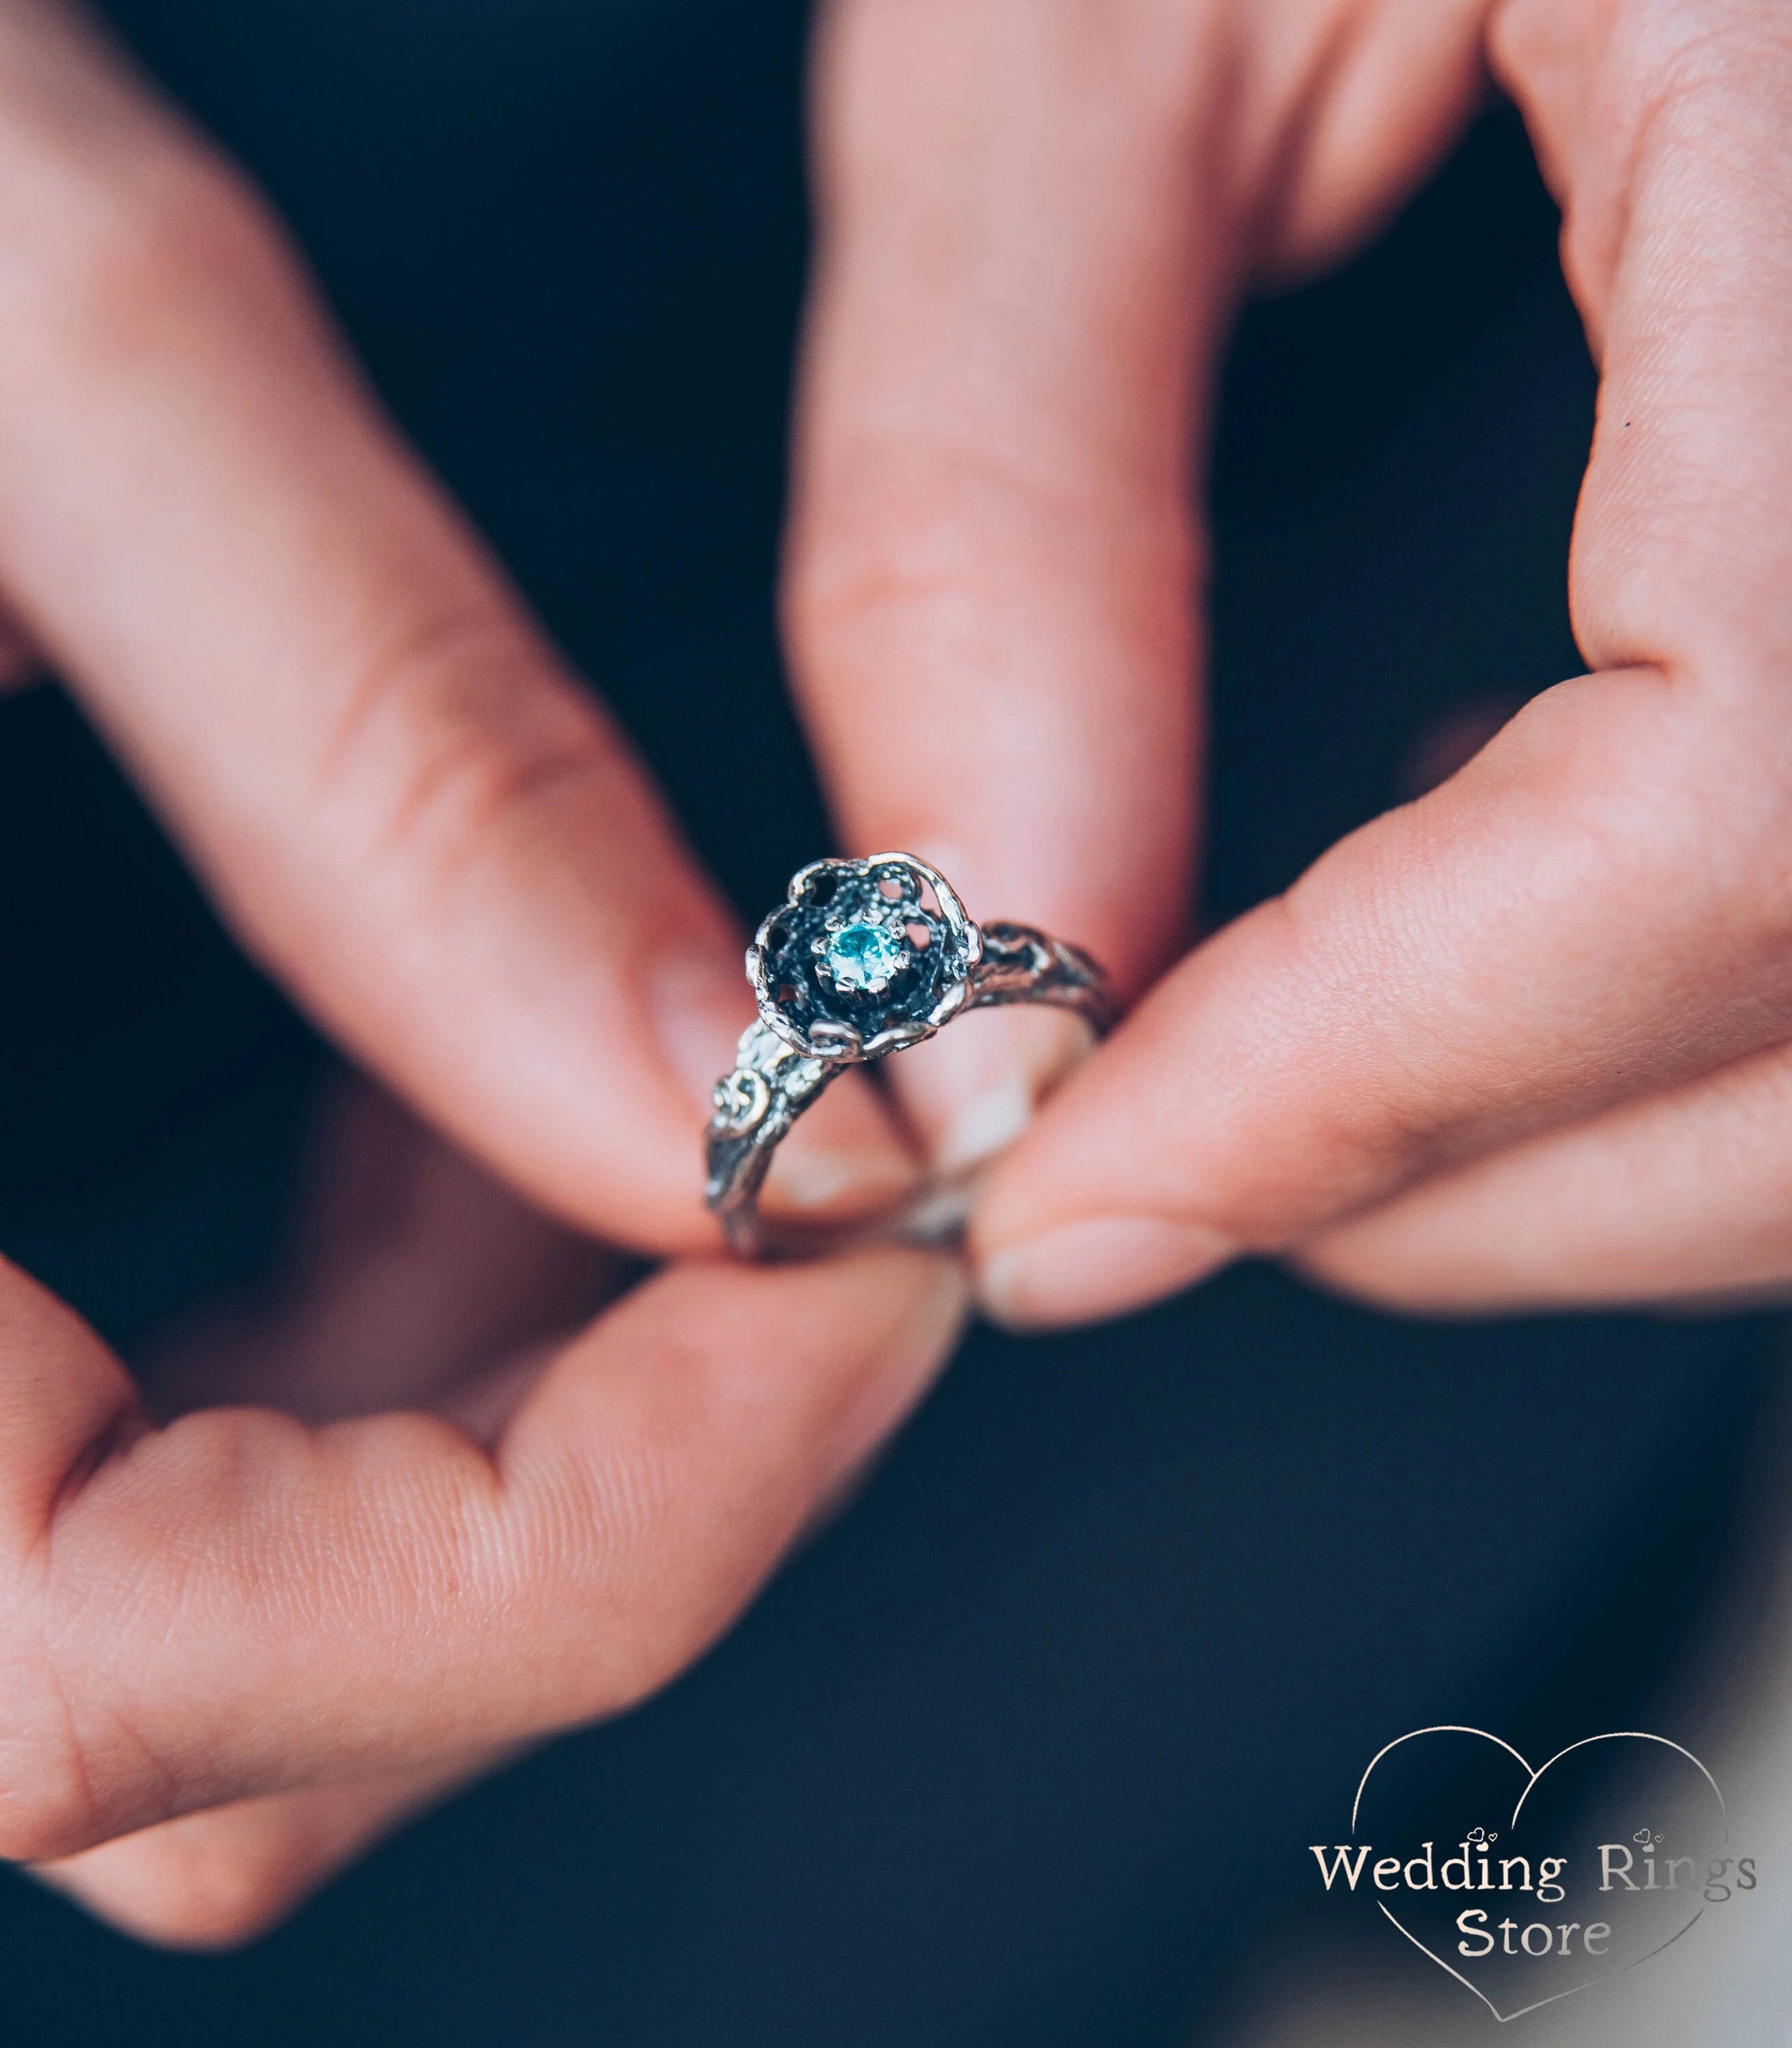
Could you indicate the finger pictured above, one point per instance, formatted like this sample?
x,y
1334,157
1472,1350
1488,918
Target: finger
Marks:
x,y
992,555
1516,950
411,1276
414,1278
405,803
1592,910
236,1605
18,658
215,1880
1686,1196
1035,223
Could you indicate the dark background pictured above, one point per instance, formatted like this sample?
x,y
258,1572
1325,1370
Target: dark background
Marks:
x,y
1029,1745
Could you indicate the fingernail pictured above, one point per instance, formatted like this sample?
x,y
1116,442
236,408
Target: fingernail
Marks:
x,y
821,1179
975,1088
927,1332
1082,1272
841,1158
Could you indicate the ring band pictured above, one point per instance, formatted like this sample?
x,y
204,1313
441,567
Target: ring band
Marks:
x,y
863,958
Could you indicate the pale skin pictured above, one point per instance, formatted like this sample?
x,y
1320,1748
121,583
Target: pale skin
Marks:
x,y
421,1509
1517,1043
1523,1042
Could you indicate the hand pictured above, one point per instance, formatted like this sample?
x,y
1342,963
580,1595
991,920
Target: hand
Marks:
x,y
1524,1041
403,802
240,1642
236,1640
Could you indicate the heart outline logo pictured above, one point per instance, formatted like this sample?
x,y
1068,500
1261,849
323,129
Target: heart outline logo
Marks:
x,y
1532,1777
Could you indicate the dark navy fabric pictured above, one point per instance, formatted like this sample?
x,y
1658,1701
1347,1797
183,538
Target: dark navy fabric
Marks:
x,y
1029,1745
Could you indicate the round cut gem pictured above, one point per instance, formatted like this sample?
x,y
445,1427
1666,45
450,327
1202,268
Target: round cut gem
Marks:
x,y
864,958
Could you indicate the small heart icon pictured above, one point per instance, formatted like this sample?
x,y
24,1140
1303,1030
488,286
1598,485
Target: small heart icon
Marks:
x,y
1603,1858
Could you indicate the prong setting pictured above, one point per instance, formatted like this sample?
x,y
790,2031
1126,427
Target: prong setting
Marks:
x,y
863,957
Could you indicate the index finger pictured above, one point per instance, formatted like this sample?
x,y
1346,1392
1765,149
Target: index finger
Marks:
x,y
407,805
992,558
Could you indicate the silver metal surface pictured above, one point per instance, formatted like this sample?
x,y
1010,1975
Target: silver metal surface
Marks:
x,y
790,1054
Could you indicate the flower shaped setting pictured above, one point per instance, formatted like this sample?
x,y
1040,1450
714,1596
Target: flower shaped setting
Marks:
x,y
863,957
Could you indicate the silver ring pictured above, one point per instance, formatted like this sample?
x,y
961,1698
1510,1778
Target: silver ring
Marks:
x,y
863,958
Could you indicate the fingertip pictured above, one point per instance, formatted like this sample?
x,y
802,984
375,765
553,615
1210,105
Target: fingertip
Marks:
x,y
1095,1267
974,1089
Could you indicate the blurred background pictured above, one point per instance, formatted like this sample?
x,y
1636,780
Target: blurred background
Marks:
x,y
1027,1748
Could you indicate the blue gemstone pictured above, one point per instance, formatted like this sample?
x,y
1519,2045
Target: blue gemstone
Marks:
x,y
865,959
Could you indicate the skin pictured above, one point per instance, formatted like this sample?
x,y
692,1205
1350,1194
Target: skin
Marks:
x,y
431,1503
1522,1041
403,802
359,1542
1519,1042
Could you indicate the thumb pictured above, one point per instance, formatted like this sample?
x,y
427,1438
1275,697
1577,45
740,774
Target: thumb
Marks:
x,y
237,1605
